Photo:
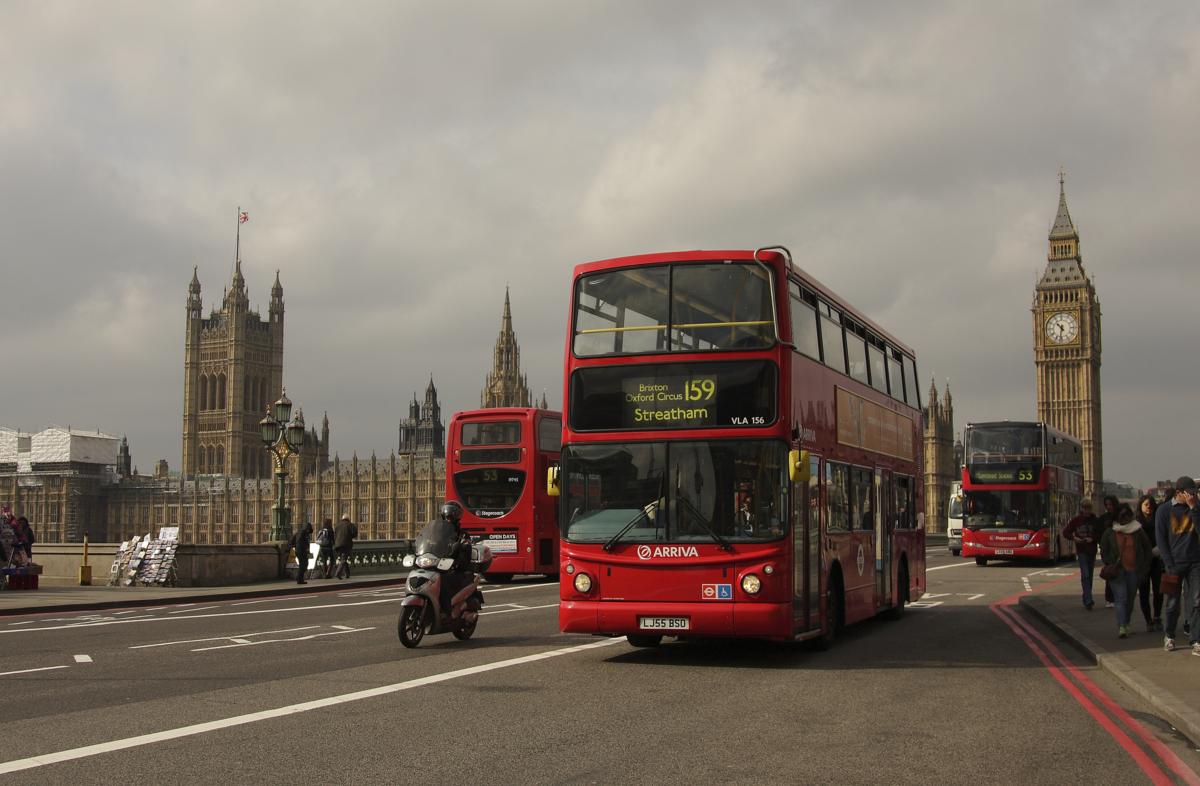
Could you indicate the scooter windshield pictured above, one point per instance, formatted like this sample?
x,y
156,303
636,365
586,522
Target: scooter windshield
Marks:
x,y
436,538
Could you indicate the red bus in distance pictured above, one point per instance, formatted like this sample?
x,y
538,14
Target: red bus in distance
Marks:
x,y
495,462
741,454
1022,482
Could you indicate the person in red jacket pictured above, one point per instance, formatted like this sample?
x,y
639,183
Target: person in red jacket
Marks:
x,y
1084,529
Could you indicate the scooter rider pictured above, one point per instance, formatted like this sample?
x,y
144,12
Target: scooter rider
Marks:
x,y
461,574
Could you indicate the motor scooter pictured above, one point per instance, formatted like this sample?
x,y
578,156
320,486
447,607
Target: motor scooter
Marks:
x,y
421,610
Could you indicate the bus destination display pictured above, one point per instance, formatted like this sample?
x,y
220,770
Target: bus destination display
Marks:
x,y
665,396
1005,474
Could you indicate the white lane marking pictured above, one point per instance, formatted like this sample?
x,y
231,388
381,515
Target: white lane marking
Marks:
x,y
155,608
27,671
105,622
309,637
936,595
25,622
185,611
71,754
1025,581
955,565
181,605
968,596
341,627
83,658
272,600
522,586
519,608
220,638
124,612
1060,573
923,605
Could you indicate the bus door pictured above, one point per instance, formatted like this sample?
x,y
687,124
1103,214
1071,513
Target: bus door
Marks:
x,y
806,534
884,525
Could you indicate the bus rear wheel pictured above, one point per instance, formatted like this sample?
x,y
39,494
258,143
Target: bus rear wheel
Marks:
x,y
897,611
981,561
644,641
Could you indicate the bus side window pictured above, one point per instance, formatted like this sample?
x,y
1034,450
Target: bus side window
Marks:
x,y
837,489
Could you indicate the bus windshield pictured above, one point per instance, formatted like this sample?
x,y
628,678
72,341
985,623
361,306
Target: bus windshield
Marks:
x,y
1004,443
673,308
500,432
489,492
1017,509
692,492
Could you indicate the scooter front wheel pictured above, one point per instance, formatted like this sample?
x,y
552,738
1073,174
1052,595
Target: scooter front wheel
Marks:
x,y
411,626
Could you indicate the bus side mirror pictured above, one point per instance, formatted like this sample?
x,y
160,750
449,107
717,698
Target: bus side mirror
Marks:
x,y
552,481
798,467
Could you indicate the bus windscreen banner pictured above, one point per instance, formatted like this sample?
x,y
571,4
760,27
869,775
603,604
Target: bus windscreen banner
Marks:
x,y
1006,474
674,395
864,424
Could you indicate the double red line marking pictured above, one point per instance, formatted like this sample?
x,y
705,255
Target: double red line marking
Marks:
x,y
1076,683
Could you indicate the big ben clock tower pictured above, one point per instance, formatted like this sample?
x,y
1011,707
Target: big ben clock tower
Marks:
x,y
1066,346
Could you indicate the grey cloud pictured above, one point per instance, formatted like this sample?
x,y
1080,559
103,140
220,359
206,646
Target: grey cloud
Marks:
x,y
403,162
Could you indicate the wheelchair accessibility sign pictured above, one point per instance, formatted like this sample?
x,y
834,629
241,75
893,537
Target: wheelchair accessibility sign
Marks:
x,y
716,591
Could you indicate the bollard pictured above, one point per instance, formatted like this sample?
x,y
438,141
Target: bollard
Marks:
x,y
85,570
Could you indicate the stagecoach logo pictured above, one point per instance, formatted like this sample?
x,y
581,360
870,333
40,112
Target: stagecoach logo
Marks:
x,y
646,552
862,559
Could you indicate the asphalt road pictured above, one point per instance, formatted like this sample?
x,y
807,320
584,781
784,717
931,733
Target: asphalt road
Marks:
x,y
318,689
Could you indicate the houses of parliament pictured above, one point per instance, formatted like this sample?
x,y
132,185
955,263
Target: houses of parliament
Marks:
x,y
233,370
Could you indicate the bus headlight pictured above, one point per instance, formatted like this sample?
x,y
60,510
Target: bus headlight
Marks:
x,y
751,584
583,583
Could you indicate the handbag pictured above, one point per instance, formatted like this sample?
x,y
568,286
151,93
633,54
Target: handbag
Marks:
x,y
1110,572
1169,585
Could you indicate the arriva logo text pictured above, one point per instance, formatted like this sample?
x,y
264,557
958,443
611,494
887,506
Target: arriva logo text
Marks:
x,y
646,552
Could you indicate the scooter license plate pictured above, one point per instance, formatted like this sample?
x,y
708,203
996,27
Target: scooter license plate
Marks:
x,y
664,623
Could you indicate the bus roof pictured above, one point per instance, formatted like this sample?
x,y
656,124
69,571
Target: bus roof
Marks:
x,y
701,255
493,413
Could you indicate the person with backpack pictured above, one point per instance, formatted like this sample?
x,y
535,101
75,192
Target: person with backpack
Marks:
x,y
1178,538
325,544
1125,551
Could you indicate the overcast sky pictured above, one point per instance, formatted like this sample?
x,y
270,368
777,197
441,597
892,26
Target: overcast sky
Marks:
x,y
403,162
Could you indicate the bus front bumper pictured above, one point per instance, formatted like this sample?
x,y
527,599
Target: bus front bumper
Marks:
x,y
714,619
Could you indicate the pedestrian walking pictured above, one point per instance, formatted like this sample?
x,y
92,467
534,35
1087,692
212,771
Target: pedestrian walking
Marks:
x,y
1175,526
343,545
303,546
1125,551
1084,530
325,544
1107,519
1150,590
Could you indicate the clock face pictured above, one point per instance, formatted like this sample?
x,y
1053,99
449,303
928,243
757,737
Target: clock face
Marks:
x,y
1062,328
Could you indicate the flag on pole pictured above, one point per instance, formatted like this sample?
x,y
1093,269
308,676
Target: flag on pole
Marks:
x,y
243,217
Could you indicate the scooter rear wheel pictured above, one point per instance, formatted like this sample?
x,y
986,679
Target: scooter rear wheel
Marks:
x,y
467,630
411,625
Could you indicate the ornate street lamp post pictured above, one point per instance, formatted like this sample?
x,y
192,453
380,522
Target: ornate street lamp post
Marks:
x,y
283,439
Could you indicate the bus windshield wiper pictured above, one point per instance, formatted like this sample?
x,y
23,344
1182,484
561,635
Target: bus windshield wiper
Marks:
x,y
706,524
645,512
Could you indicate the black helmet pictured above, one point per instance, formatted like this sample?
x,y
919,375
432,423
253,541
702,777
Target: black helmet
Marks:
x,y
452,511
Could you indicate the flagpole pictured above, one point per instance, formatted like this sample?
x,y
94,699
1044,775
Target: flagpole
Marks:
x,y
237,249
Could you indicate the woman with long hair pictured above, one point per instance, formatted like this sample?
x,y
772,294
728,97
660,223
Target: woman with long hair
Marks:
x,y
1146,507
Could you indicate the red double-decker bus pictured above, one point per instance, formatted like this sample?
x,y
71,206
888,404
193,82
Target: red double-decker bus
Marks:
x,y
740,453
495,462
1021,483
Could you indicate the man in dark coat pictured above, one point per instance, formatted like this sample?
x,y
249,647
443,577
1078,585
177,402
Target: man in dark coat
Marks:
x,y
343,545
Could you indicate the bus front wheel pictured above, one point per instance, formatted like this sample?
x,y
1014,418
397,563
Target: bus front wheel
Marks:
x,y
833,617
981,561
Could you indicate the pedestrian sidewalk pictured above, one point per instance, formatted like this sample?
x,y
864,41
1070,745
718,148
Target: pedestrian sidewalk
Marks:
x,y
60,599
1168,681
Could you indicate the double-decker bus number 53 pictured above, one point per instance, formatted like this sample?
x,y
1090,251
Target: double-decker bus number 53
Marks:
x,y
699,390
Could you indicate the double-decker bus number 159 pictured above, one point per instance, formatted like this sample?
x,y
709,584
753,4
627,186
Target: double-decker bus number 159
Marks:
x,y
699,390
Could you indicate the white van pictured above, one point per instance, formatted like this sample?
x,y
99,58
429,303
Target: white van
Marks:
x,y
954,519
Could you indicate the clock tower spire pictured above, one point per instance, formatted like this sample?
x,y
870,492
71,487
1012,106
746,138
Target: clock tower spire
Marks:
x,y
1066,345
